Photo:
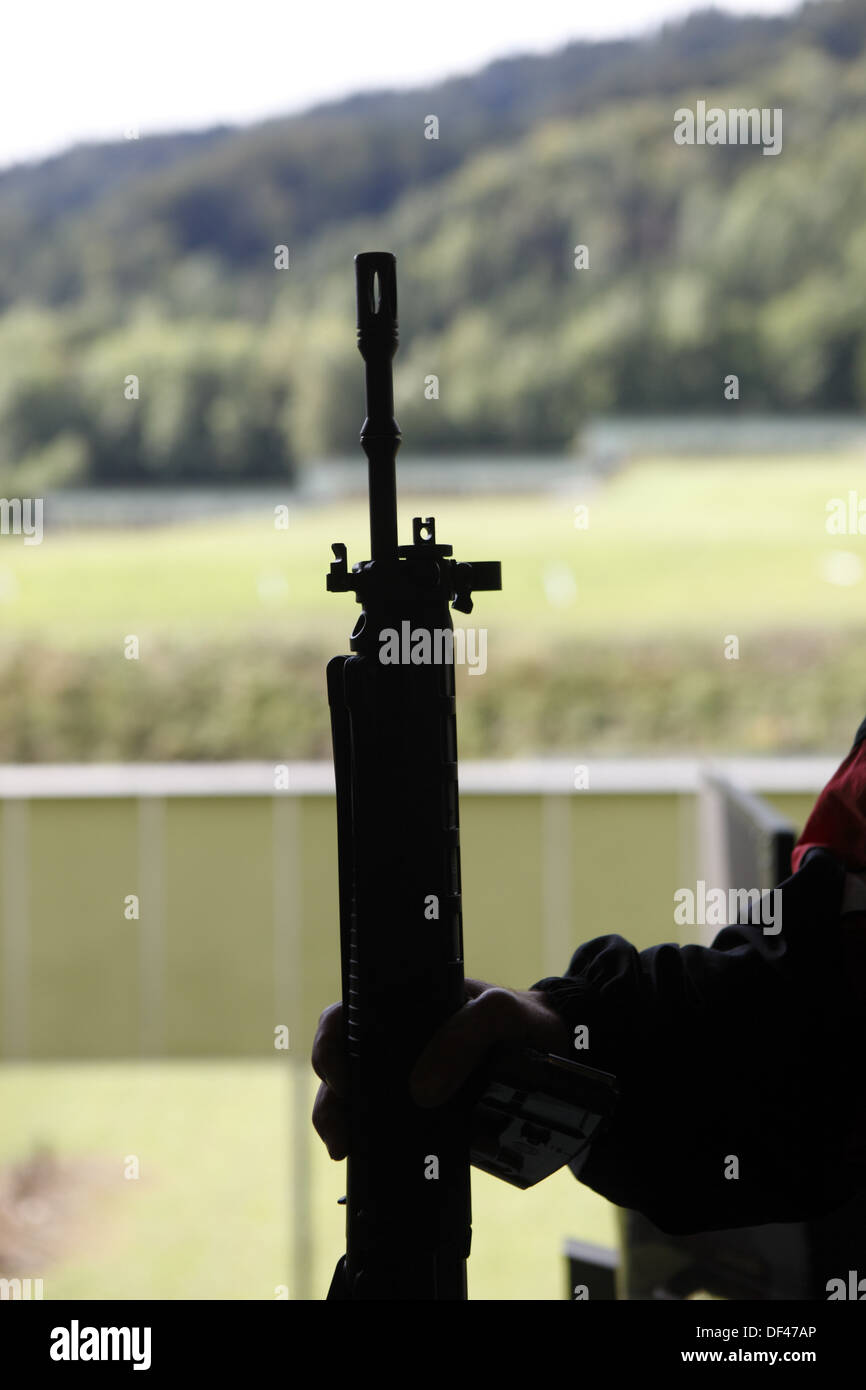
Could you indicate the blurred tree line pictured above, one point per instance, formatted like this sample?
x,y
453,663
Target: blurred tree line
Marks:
x,y
154,259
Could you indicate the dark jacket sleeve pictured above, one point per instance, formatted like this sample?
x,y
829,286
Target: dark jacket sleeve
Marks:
x,y
738,1065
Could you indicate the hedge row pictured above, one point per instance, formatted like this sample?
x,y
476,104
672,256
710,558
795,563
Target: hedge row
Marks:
x,y
785,694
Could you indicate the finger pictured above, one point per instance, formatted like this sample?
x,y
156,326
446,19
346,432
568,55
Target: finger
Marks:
x,y
329,1051
462,1043
473,988
331,1122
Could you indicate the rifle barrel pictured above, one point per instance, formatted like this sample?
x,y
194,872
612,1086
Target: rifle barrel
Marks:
x,y
378,337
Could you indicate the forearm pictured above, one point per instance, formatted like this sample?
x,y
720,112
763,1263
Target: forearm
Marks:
x,y
735,1050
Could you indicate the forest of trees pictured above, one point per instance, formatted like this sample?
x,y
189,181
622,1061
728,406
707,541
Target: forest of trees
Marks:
x,y
155,258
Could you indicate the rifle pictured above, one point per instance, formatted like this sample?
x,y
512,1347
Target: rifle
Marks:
x,y
393,726
395,758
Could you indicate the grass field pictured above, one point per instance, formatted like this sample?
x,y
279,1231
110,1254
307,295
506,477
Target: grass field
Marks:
x,y
685,546
210,1216
613,638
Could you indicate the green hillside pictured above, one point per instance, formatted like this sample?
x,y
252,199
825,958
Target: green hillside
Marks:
x,y
154,258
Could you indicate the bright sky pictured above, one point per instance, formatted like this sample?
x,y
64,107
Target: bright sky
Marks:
x,y
90,70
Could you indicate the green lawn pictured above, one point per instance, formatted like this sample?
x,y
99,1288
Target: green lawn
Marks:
x,y
690,546
210,1216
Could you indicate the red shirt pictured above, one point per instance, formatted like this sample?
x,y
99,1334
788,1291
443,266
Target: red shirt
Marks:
x,y
838,823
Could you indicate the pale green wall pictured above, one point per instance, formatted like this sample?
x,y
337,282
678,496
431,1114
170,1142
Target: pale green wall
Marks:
x,y
238,929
